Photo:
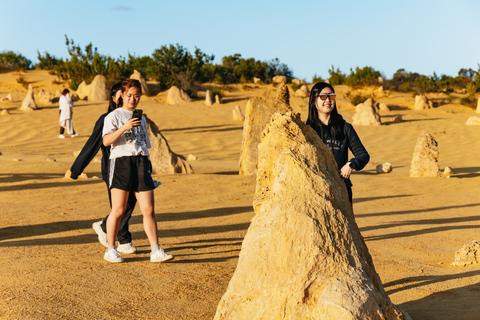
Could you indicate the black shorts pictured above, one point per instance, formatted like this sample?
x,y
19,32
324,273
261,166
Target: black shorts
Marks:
x,y
132,174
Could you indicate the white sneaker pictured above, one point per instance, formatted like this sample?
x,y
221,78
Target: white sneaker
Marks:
x,y
160,256
61,136
75,135
102,236
126,248
112,255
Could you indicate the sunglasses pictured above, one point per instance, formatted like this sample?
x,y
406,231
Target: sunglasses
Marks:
x,y
331,96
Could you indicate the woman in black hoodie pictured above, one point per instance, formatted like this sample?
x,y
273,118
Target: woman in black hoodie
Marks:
x,y
335,132
94,143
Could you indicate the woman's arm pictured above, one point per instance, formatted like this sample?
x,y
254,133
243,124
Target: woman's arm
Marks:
x,y
360,153
110,138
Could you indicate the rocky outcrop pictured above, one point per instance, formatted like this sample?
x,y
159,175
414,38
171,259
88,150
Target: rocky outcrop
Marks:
x,y
302,92
83,90
238,114
425,157
138,76
28,103
98,89
298,82
367,114
467,255
279,79
177,96
283,94
473,121
422,103
208,99
478,105
258,113
164,160
303,256
44,96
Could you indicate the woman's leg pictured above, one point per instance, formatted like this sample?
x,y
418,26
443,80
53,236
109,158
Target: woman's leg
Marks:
x,y
146,202
119,202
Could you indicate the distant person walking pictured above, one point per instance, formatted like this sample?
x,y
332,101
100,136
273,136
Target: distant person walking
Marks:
x,y
66,114
130,170
335,132
93,144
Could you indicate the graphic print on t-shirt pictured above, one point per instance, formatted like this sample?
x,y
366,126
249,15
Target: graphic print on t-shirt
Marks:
x,y
136,135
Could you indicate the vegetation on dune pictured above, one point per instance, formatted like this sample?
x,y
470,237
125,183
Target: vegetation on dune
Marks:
x,y
175,65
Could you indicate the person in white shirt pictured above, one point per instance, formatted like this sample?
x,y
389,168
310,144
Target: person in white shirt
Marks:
x,y
66,114
130,171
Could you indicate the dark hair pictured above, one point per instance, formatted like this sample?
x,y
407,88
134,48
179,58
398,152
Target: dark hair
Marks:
x,y
65,91
111,104
335,127
131,83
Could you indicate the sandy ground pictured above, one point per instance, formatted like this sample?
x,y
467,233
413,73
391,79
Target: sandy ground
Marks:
x,y
52,265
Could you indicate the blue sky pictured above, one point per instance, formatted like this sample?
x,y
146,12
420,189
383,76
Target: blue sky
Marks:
x,y
309,36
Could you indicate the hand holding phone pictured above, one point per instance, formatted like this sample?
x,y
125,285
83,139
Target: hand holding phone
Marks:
x,y
137,113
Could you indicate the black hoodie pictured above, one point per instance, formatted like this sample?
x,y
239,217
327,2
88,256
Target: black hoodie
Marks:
x,y
90,150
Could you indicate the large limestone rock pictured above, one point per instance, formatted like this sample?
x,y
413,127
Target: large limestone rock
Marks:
x,y
367,114
422,103
138,76
258,113
28,103
303,92
83,90
467,255
177,96
425,157
208,99
283,94
99,90
279,79
478,105
473,121
164,160
44,96
303,256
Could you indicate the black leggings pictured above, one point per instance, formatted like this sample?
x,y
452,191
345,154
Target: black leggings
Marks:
x,y
62,130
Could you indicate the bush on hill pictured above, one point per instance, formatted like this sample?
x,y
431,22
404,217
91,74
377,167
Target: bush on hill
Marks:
x,y
11,61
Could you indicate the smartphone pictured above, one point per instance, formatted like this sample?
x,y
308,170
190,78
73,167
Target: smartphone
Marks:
x,y
137,113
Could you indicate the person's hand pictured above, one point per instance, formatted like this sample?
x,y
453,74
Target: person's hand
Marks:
x,y
132,123
346,171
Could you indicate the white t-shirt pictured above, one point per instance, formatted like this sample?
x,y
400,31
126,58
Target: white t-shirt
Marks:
x,y
132,142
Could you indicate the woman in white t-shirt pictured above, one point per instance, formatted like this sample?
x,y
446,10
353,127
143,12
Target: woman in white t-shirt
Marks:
x,y
130,170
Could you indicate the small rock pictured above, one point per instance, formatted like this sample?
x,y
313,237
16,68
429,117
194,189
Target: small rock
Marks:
x,y
51,159
217,99
467,255
5,112
448,171
384,168
257,80
279,79
383,107
191,157
238,114
473,121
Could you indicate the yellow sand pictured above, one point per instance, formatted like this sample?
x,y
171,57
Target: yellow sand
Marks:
x,y
52,265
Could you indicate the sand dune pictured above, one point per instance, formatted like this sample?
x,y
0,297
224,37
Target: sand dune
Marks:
x,y
52,264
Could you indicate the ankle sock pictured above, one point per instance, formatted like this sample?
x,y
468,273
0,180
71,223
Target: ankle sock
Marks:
x,y
110,247
155,248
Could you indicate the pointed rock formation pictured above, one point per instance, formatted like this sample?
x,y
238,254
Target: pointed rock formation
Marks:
x,y
425,157
44,96
5,112
177,96
303,256
99,90
238,114
367,114
208,98
258,113
83,90
138,76
422,103
217,99
164,160
283,95
28,103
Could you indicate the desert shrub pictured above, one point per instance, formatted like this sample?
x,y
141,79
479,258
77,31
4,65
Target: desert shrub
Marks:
x,y
295,86
47,62
22,80
361,77
336,76
471,89
356,100
215,91
316,79
11,61
468,101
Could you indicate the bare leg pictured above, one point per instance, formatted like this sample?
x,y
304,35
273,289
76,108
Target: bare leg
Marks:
x,y
146,202
119,203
